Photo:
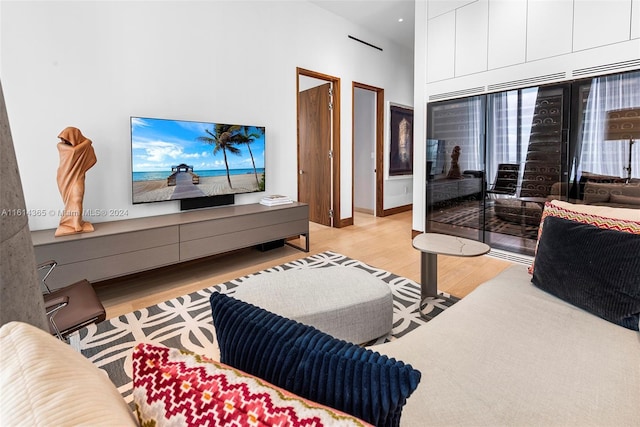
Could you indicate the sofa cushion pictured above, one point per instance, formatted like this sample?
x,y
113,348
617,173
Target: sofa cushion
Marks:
x,y
597,192
174,387
310,363
512,210
587,177
621,219
44,382
622,199
595,269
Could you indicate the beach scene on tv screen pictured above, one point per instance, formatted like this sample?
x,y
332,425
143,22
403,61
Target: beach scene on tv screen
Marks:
x,y
174,159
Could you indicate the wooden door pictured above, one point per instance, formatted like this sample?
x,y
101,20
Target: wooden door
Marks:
x,y
314,152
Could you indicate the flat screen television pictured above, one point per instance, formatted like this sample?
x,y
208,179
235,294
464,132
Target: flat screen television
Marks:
x,y
184,160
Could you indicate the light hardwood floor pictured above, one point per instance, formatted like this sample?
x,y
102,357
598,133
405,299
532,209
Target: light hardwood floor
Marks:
x,y
381,242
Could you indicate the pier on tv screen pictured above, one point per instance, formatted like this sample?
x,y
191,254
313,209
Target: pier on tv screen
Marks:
x,y
178,159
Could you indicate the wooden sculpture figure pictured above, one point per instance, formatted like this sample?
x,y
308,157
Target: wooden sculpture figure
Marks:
x,y
76,157
454,172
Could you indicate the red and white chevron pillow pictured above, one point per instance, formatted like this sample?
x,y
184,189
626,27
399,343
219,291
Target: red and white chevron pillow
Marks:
x,y
174,387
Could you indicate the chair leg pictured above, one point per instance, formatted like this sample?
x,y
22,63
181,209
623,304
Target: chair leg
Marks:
x,y
51,313
55,328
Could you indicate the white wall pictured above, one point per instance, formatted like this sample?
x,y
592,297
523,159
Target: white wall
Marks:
x,y
466,47
92,65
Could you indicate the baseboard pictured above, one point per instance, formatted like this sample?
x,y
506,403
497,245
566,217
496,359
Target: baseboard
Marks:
x,y
364,210
345,222
397,210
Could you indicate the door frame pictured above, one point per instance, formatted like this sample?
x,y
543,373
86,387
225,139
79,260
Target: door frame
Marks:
x,y
335,161
379,208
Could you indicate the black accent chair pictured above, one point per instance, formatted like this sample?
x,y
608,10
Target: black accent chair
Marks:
x,y
506,181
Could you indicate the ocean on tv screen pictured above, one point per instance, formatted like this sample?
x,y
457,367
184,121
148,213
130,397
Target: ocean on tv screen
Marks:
x,y
156,175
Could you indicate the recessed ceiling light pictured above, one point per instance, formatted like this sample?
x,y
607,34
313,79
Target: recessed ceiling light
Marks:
x,y
400,20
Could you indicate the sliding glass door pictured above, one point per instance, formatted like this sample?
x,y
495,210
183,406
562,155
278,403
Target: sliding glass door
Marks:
x,y
494,160
512,158
455,167
528,134
604,171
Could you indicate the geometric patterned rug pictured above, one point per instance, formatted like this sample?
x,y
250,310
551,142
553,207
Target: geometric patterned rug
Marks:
x,y
185,322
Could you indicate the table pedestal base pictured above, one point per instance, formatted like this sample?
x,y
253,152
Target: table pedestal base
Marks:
x,y
432,244
429,282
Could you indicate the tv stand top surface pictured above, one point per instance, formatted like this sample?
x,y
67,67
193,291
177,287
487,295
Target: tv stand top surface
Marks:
x,y
43,237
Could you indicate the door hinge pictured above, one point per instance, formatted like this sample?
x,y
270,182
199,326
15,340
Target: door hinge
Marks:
x,y
330,213
330,99
330,105
331,154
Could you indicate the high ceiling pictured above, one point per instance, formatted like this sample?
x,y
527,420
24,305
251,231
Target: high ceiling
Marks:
x,y
379,16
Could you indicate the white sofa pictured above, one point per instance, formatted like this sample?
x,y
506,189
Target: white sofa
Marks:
x,y
510,354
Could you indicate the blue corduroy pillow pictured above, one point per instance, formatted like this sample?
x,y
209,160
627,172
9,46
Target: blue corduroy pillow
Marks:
x,y
312,364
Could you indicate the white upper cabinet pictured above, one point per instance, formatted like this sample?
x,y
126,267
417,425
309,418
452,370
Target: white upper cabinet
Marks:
x,y
601,22
518,39
507,33
436,8
549,27
441,33
635,19
472,27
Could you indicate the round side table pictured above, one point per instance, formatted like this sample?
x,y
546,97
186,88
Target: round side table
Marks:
x,y
433,244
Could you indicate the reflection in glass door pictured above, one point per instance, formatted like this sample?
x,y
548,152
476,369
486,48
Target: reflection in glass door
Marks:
x,y
507,176
455,163
599,166
528,133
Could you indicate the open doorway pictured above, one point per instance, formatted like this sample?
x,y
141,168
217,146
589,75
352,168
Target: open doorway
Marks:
x,y
368,139
318,118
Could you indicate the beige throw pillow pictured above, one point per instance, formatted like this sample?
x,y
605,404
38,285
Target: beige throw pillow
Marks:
x,y
44,382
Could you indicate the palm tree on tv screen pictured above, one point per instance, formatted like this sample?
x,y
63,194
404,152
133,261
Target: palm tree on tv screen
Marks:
x,y
247,137
222,138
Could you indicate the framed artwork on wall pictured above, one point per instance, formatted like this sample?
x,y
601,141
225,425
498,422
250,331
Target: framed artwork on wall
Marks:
x,y
401,140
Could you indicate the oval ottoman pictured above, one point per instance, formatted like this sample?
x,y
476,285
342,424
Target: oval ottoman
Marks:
x,y
345,302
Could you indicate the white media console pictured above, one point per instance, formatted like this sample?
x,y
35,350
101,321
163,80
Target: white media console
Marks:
x,y
118,248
